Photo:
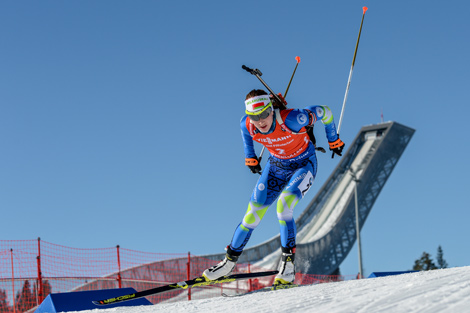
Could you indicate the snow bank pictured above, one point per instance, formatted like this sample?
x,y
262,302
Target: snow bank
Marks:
x,y
446,290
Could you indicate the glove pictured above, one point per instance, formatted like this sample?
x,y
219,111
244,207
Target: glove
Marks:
x,y
336,146
253,165
276,103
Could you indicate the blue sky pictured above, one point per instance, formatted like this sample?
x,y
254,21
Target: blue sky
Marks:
x,y
119,120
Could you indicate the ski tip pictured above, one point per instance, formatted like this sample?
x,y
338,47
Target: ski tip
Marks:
x,y
297,59
364,9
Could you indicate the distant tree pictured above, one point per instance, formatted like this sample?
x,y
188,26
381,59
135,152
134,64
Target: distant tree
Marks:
x,y
35,292
441,263
425,263
46,289
25,299
4,307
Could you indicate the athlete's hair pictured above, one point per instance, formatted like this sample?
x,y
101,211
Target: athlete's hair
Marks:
x,y
260,92
255,92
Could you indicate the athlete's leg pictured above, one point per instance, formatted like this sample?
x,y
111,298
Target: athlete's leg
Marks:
x,y
298,185
266,191
296,188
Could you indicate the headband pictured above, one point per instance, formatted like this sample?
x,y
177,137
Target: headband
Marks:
x,y
257,104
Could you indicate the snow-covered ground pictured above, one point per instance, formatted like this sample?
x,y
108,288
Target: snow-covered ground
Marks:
x,y
446,290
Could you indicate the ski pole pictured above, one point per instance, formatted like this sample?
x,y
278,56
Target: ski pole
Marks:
x,y
364,9
298,61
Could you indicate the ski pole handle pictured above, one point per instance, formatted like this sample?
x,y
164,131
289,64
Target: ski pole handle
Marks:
x,y
252,71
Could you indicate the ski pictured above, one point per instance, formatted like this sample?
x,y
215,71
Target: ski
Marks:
x,y
278,287
191,283
265,289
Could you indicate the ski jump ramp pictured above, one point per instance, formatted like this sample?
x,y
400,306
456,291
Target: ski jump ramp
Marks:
x,y
326,230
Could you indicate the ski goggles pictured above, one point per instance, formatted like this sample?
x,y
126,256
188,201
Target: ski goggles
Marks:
x,y
261,115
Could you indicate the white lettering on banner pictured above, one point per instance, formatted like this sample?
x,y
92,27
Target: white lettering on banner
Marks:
x,y
270,141
300,157
281,151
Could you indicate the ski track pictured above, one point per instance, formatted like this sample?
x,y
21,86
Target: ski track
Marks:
x,y
446,290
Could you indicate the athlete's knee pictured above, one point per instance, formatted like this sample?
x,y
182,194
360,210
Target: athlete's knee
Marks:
x,y
254,214
285,206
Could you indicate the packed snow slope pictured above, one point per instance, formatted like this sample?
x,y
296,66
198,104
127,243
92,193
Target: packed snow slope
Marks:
x,y
446,290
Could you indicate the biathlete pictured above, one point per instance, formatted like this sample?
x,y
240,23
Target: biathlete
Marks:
x,y
288,174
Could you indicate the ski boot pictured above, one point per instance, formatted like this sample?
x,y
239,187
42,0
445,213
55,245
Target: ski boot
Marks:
x,y
224,268
286,274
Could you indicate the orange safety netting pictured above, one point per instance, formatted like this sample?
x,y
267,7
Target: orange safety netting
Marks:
x,y
32,269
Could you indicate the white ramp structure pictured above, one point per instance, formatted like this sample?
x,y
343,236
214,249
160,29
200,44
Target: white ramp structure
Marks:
x,y
326,230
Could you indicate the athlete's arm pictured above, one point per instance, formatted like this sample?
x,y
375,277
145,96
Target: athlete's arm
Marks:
x,y
247,140
299,118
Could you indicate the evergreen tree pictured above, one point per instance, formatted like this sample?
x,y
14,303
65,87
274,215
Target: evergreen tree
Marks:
x,y
441,263
425,263
25,299
3,302
46,289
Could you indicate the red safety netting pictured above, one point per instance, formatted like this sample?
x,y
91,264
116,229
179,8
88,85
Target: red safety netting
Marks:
x,y
32,269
